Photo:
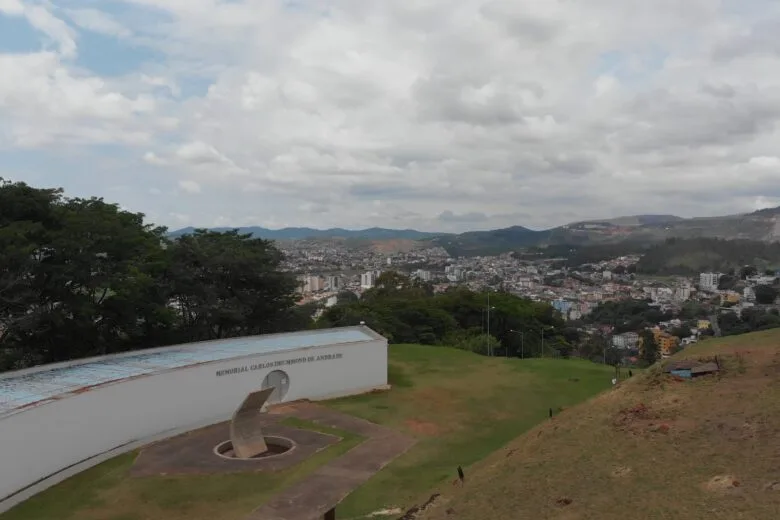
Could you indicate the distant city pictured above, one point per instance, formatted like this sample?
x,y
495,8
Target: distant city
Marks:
x,y
324,271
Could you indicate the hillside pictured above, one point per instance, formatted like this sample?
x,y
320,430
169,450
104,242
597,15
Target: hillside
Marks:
x,y
635,220
653,447
485,243
299,233
692,256
761,226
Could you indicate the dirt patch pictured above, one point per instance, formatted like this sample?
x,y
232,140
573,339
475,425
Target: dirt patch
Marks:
x,y
417,511
427,429
621,472
772,486
722,484
634,419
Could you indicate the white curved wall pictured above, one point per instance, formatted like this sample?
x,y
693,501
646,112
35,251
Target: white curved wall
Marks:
x,y
44,440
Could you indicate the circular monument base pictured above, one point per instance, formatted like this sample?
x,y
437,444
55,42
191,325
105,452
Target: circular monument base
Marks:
x,y
276,446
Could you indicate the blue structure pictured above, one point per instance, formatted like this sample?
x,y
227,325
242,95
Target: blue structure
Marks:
x,y
562,306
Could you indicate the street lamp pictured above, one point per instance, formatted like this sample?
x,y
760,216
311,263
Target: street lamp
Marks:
x,y
487,339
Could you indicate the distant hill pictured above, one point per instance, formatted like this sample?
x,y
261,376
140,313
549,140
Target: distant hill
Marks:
x,y
763,226
476,243
299,233
652,447
695,255
634,220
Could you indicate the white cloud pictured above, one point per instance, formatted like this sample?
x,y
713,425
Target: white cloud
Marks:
x,y
478,113
98,21
190,186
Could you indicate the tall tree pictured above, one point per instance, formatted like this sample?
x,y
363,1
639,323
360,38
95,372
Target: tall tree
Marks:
x,y
649,351
27,219
229,284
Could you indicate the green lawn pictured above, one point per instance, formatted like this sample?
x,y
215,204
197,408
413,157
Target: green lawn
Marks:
x,y
461,407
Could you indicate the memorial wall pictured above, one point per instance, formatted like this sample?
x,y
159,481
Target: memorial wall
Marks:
x,y
82,429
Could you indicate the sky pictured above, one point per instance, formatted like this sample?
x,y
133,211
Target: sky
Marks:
x,y
425,114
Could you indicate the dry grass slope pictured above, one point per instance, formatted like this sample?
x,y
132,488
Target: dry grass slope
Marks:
x,y
652,448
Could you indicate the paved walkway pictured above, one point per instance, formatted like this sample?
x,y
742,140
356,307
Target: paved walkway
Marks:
x,y
327,486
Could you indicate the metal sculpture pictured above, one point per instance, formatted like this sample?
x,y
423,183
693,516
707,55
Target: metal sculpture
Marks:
x,y
245,432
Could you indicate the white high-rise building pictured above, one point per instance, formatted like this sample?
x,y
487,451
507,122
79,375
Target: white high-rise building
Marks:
x,y
367,280
709,281
422,274
333,283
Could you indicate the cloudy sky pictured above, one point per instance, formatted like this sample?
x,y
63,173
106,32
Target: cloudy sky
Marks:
x,y
430,114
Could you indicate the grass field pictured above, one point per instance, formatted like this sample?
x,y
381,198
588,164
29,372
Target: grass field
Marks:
x,y
652,448
461,407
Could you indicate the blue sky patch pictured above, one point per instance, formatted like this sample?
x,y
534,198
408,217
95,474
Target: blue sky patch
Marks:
x,y
17,35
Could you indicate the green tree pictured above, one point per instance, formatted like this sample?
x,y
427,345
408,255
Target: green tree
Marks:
x,y
765,294
649,351
683,331
87,278
747,271
228,284
346,297
81,277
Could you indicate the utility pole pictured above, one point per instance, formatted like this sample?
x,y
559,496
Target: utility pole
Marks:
x,y
489,348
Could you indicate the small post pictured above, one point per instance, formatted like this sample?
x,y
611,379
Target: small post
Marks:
x,y
330,515
461,476
550,413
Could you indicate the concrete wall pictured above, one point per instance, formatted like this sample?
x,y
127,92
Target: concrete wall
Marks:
x,y
43,440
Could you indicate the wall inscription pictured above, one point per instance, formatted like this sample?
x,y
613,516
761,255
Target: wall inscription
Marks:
x,y
277,364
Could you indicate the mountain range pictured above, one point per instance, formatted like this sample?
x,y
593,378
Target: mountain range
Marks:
x,y
300,233
762,225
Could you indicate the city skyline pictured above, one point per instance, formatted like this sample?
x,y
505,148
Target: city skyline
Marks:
x,y
411,115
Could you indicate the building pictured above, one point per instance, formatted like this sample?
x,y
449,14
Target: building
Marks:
x,y
62,418
368,280
709,281
625,341
310,284
333,283
561,306
667,344
682,293
422,275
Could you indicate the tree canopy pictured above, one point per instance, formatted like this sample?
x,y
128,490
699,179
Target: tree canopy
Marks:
x,y
82,277
407,311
